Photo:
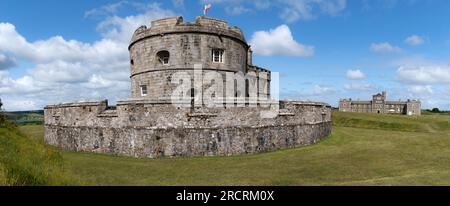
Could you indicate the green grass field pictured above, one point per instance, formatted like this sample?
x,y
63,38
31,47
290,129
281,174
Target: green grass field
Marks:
x,y
26,161
364,149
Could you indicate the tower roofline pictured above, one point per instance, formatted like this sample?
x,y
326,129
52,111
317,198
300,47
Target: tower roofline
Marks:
x,y
176,25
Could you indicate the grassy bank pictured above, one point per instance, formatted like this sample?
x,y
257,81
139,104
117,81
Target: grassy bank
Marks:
x,y
364,149
25,161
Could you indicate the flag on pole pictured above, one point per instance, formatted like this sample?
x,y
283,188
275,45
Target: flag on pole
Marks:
x,y
206,9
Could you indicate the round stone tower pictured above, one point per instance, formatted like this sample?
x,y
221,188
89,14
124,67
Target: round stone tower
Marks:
x,y
171,45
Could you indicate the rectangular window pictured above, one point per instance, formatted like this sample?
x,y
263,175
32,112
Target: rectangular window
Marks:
x,y
217,55
165,61
144,91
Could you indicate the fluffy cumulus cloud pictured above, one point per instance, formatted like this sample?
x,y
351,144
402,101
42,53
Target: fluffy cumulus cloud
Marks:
x,y
6,62
278,41
384,48
424,79
355,74
414,40
421,90
424,75
121,29
69,70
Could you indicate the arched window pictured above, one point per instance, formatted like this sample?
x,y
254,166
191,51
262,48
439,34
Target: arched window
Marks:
x,y
217,55
163,57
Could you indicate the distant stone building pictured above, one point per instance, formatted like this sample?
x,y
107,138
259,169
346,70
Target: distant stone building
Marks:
x,y
380,105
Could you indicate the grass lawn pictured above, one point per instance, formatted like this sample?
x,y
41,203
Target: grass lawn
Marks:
x,y
364,149
25,161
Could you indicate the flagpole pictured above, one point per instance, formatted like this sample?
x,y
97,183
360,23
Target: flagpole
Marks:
x,y
206,9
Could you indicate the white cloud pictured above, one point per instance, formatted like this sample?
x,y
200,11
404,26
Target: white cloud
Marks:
x,y
358,86
420,90
60,71
98,82
6,62
412,61
22,85
414,40
56,48
384,48
16,105
289,10
355,74
262,4
317,92
121,29
278,41
424,75
71,70
294,10
106,9
237,10
323,89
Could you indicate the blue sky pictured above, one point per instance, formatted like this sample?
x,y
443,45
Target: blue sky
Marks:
x,y
61,51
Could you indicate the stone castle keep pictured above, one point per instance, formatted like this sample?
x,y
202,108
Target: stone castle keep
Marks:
x,y
179,109
381,105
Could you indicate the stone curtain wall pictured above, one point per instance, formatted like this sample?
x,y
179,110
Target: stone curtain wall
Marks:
x,y
158,129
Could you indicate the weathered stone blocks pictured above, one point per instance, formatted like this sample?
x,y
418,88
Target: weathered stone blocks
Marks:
x,y
149,129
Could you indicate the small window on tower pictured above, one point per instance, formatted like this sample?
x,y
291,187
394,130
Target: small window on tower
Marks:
x,y
217,55
163,57
144,90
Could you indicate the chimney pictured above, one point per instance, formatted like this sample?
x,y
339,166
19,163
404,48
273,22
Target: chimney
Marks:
x,y
250,57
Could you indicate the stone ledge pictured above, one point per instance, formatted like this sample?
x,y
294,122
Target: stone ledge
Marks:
x,y
202,115
78,104
194,127
108,114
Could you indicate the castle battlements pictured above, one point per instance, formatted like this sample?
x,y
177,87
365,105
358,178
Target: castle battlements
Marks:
x,y
176,25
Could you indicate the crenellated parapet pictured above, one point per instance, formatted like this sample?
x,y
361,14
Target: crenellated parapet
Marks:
x,y
175,25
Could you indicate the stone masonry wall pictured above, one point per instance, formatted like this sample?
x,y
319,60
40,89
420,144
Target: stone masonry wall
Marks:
x,y
185,44
185,51
152,129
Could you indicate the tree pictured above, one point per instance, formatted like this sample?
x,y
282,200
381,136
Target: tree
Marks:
x,y
435,110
